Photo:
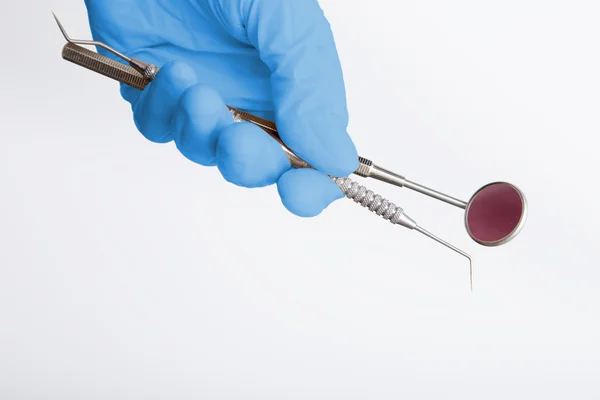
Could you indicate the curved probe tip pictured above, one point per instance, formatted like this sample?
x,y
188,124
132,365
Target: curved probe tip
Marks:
x,y
451,247
62,29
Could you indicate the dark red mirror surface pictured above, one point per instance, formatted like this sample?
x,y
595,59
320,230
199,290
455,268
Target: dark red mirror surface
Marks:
x,y
495,213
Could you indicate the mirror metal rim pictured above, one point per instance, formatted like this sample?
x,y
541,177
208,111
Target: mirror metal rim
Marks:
x,y
515,231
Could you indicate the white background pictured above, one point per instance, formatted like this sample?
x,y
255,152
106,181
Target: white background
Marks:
x,y
127,272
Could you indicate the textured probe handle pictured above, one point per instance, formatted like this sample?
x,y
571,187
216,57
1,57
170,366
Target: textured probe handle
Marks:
x,y
128,75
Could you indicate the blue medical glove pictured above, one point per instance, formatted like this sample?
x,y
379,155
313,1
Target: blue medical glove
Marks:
x,y
273,58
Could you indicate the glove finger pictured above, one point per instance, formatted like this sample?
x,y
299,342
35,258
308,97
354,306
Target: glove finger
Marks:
x,y
200,116
295,41
247,156
155,107
307,192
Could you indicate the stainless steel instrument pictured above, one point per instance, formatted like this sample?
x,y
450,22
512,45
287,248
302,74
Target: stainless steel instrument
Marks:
x,y
139,74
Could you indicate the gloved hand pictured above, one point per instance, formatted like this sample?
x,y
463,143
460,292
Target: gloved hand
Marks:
x,y
273,58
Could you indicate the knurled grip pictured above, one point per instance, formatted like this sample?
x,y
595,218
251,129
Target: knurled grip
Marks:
x,y
104,65
364,168
368,199
374,202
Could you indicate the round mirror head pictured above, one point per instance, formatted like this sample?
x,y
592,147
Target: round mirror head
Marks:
x,y
496,214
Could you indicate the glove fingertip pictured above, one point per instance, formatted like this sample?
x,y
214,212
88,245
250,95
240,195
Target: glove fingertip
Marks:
x,y
307,192
156,106
340,158
248,157
129,94
319,136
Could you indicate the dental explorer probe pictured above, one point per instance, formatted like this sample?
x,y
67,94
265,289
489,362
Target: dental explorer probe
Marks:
x,y
139,74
